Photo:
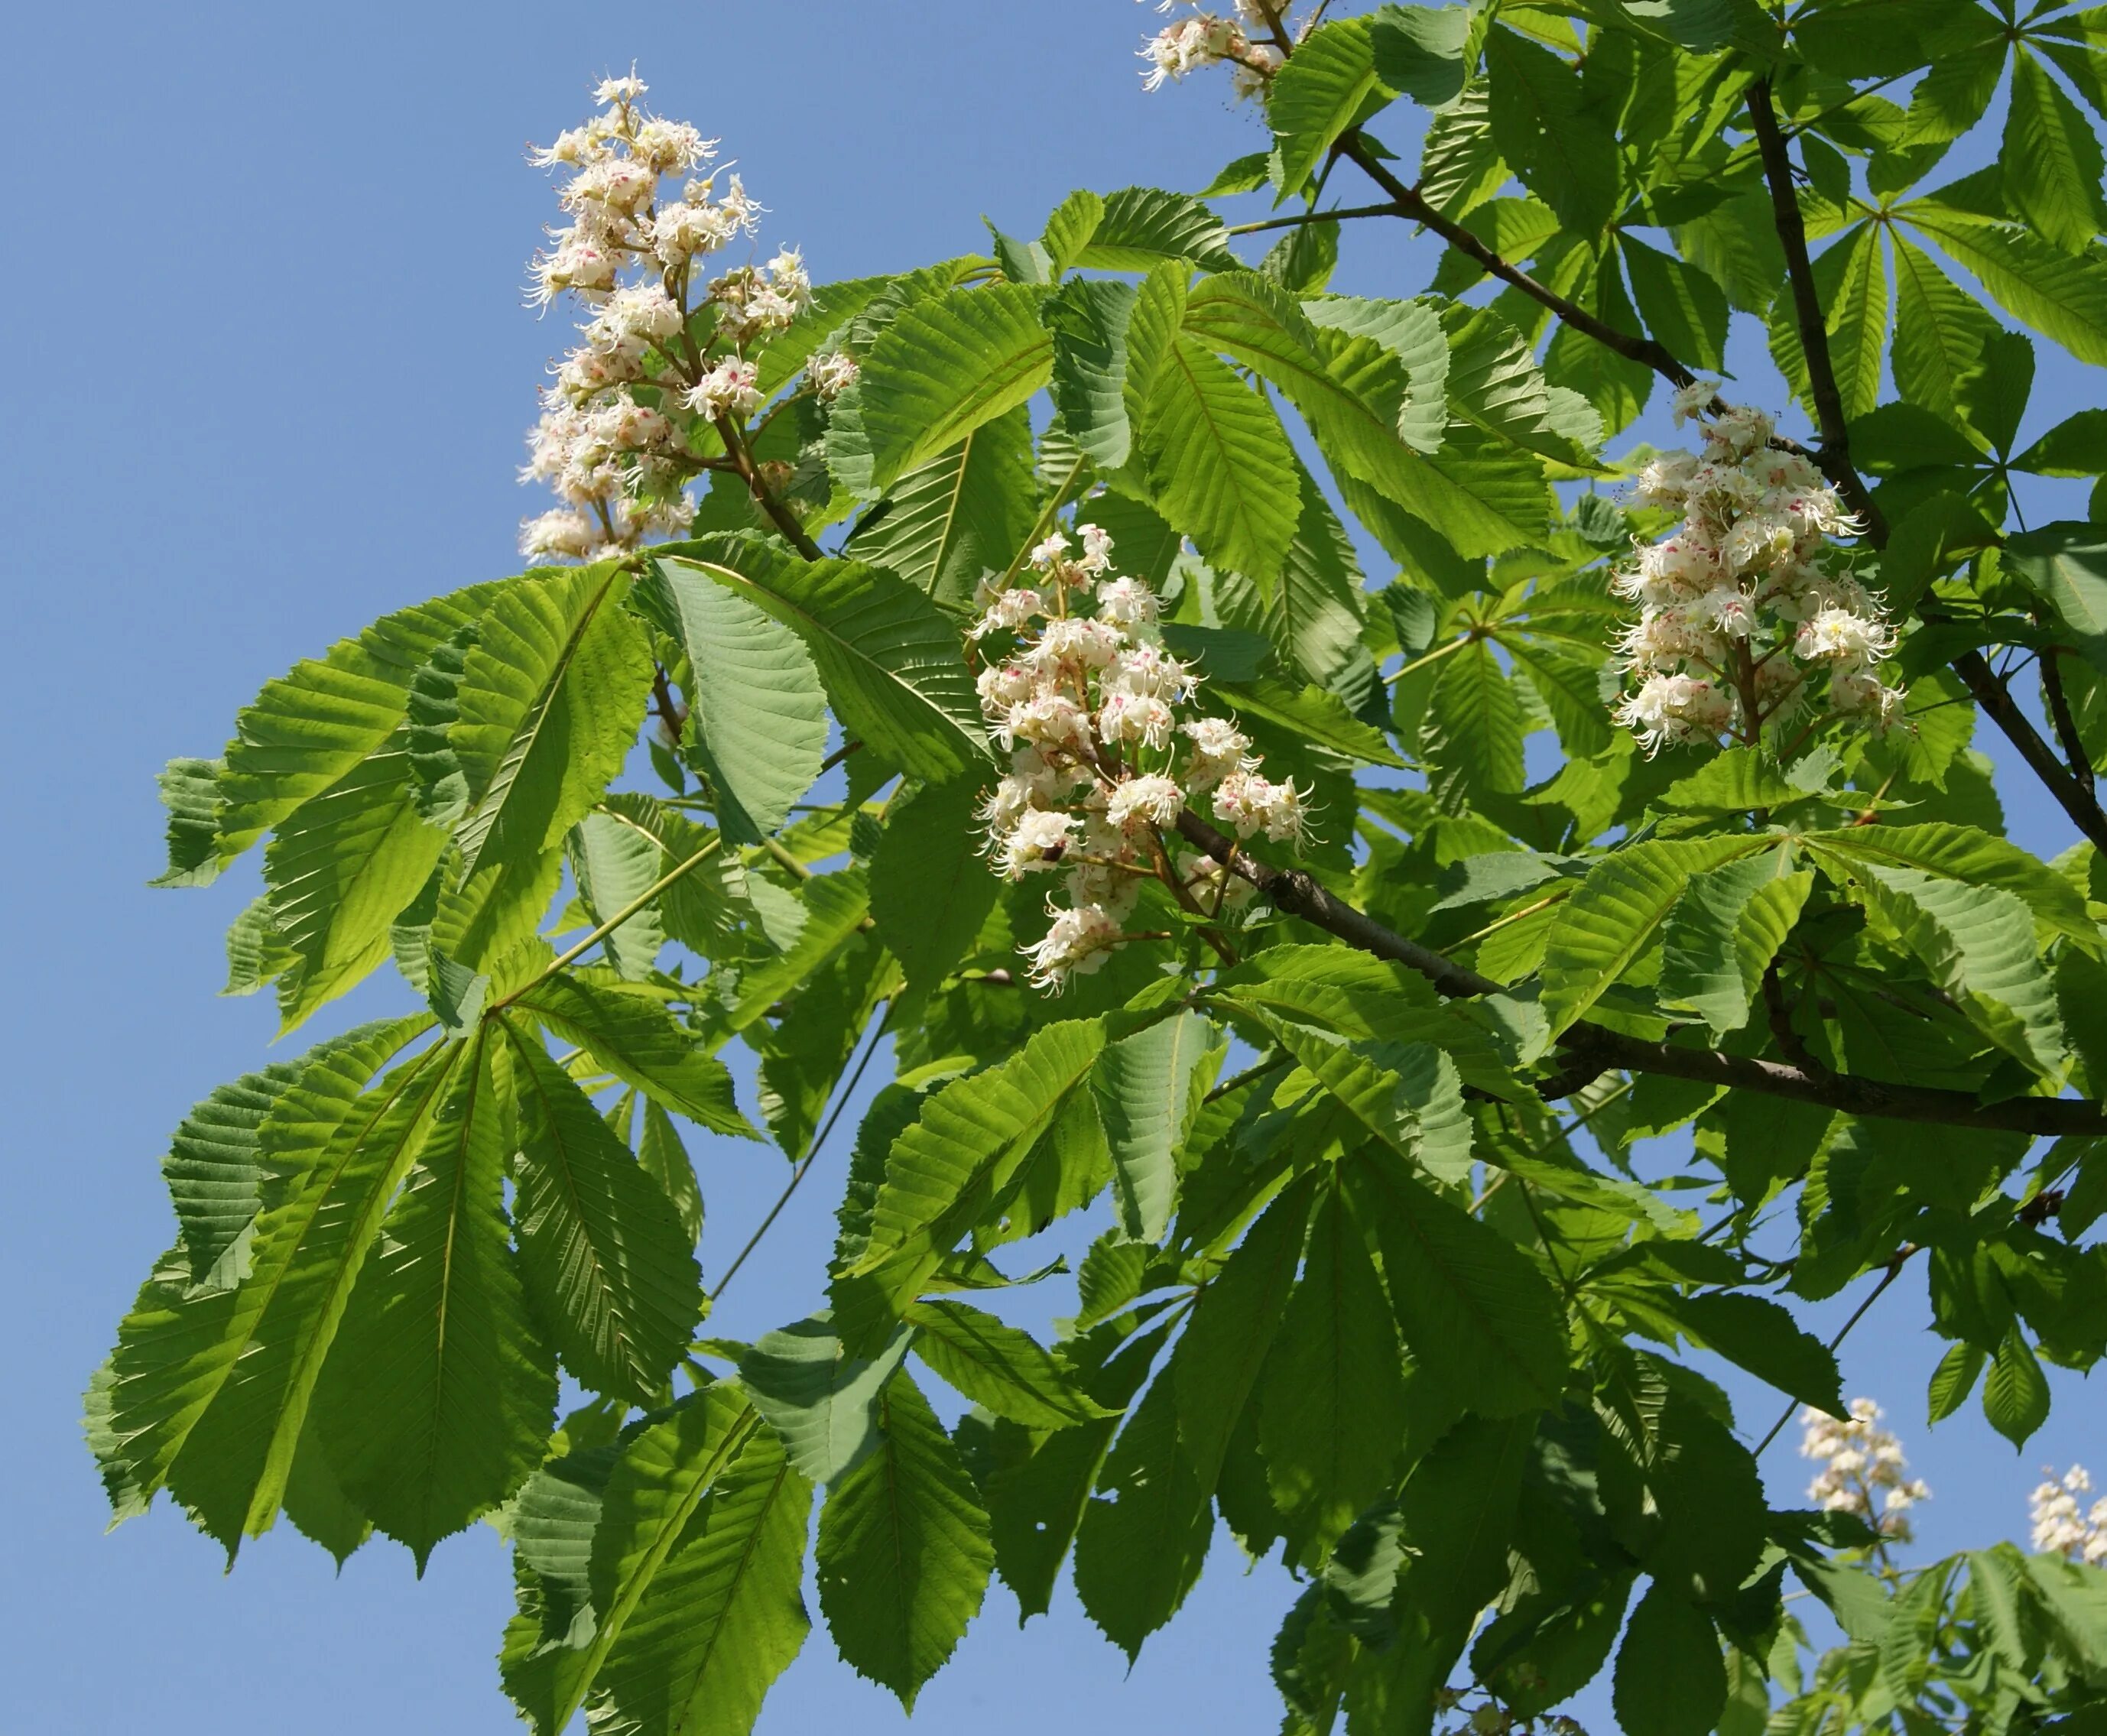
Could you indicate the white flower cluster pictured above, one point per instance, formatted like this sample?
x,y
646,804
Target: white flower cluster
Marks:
x,y
1082,692
661,349
2060,1525
1739,627
1857,1456
1207,39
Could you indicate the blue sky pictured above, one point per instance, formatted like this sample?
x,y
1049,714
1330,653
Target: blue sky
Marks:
x,y
269,373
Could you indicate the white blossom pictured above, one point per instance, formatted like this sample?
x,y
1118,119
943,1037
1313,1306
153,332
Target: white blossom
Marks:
x,y
1737,609
830,374
1152,800
1078,942
1691,400
1036,842
1859,1459
2060,1525
1249,802
729,389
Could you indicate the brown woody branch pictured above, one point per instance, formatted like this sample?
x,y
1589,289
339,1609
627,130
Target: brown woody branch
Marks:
x,y
1588,1051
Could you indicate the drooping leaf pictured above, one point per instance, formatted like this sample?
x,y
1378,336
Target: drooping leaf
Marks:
x,y
2051,159
611,1269
903,1550
821,1401
614,863
1670,1679
437,1397
997,1366
1143,1084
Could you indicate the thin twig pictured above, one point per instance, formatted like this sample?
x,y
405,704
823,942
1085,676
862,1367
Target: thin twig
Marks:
x,y
1895,1264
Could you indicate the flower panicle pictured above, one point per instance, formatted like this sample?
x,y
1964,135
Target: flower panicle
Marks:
x,y
2062,1523
1859,1460
1741,627
1105,753
1247,43
662,350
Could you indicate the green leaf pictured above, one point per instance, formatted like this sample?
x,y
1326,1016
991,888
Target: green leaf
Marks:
x,y
1976,858
438,1394
631,1034
820,1401
2051,159
2065,564
2015,1397
723,1615
612,1271
613,862
1419,51
1977,943
962,514
946,1173
1332,1400
2075,447
1481,1322
889,658
1327,86
1220,463
1144,1537
1472,732
1143,1084
1411,332
1314,716
1565,155
1494,382
1458,1509
757,715
997,1366
1761,1337
665,1473
1601,929
1088,318
903,1550
1143,226
215,1178
211,1389
1857,317
947,366
189,791
311,725
1217,1361
931,889
1682,306
1724,931
1953,1381
1671,1679
2061,295
550,702
1069,226
340,870
1940,330
836,906
663,1157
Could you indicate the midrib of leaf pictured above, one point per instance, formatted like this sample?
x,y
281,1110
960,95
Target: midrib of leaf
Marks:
x,y
483,820
632,1591
462,1170
951,511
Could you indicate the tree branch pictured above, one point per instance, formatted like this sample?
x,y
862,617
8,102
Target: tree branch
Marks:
x,y
2058,702
1589,1051
1409,203
783,519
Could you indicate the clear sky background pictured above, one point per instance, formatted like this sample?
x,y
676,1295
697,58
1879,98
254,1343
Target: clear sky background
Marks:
x,y
266,377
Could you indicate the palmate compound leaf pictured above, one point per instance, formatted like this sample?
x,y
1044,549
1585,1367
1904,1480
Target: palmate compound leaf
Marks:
x,y
340,870
1601,929
757,714
311,725
1481,1322
888,656
437,1397
631,1034
903,1550
948,1170
946,367
1723,933
724,1614
930,886
211,1388
548,708
611,1269
1142,1085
